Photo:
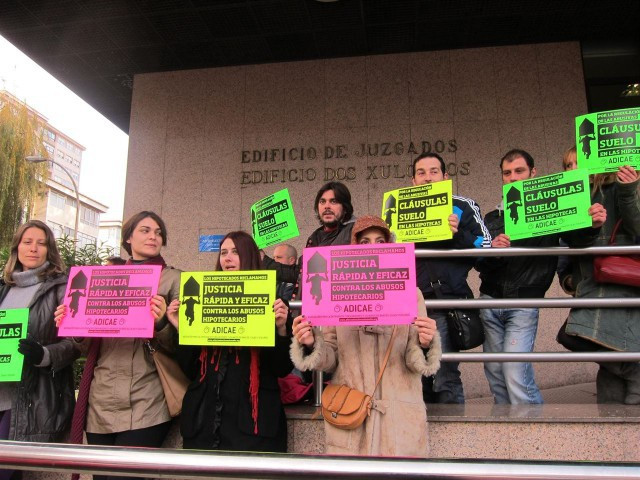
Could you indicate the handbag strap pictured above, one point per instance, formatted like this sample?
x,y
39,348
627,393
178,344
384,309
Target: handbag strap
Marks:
x,y
435,281
612,239
386,359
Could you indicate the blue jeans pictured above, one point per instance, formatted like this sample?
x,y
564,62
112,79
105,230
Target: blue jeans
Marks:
x,y
510,330
446,385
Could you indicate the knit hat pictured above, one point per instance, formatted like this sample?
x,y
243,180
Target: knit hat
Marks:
x,y
370,221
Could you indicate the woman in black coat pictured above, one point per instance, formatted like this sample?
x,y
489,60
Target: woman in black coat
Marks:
x,y
233,402
39,407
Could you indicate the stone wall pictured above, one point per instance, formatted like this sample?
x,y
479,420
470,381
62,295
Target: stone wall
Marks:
x,y
206,144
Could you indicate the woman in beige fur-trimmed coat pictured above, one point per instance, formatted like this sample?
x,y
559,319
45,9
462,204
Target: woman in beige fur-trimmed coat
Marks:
x,y
398,422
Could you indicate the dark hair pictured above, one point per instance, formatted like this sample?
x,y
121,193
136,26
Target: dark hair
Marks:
x,y
511,155
132,223
56,265
343,197
247,251
115,260
443,166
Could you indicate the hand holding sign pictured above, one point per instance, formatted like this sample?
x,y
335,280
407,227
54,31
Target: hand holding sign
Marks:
x,y
454,221
59,314
598,215
501,241
281,312
627,174
426,330
303,331
173,312
158,307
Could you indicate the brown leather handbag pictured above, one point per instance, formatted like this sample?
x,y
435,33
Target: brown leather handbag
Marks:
x,y
174,381
347,408
619,269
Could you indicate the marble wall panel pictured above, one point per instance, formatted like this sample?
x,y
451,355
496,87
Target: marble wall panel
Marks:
x,y
473,84
387,90
430,96
387,163
265,96
561,79
224,100
186,92
346,92
517,84
478,145
304,85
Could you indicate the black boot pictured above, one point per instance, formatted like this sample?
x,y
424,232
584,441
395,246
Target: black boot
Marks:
x,y
630,373
609,388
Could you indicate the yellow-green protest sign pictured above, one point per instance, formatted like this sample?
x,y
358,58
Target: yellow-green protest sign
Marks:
x,y
13,327
273,220
227,308
608,140
544,205
419,214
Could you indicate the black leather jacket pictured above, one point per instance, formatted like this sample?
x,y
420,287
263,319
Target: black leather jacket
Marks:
x,y
516,277
42,408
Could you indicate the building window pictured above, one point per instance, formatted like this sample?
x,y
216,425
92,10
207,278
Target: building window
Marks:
x,y
50,134
71,201
84,240
56,228
89,216
48,148
60,155
56,200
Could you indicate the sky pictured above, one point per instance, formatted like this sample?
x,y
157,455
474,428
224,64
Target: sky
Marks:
x,y
104,162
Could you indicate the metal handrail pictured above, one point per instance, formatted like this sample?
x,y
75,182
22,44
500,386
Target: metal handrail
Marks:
x,y
529,252
190,464
559,302
479,357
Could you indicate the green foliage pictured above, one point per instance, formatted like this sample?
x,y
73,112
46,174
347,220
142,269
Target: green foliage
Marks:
x,y
4,256
87,255
19,180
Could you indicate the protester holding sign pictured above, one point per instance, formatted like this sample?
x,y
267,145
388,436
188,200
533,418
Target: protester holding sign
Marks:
x,y
334,211
589,329
397,422
447,277
120,397
515,329
233,402
39,408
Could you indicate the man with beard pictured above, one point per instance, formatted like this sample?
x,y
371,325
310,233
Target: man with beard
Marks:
x,y
333,209
335,213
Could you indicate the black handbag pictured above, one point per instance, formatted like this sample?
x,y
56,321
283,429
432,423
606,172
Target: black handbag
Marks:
x,y
465,329
465,326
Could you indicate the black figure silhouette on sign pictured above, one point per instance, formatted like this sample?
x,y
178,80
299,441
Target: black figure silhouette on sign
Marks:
x,y
389,210
513,202
316,274
587,134
191,289
76,291
189,311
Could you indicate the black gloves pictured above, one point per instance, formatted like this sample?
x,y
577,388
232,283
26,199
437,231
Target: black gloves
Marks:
x,y
33,352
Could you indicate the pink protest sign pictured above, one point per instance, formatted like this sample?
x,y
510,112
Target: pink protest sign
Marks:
x,y
359,284
110,301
